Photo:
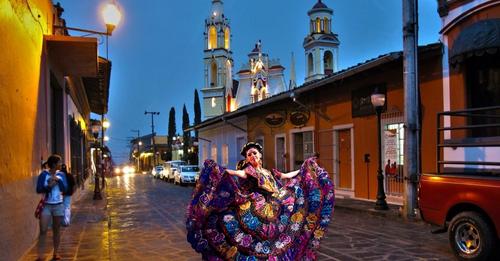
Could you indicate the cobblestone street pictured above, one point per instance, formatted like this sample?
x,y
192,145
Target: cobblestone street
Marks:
x,y
143,219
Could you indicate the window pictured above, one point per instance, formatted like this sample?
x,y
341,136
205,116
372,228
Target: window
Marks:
x,y
327,25
227,38
213,153
318,25
303,145
394,143
225,155
212,37
204,152
328,62
213,74
280,153
483,90
310,64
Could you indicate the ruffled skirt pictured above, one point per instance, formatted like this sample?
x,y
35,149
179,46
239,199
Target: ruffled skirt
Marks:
x,y
226,222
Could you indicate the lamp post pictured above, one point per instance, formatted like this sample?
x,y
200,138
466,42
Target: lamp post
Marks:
x,y
96,128
378,102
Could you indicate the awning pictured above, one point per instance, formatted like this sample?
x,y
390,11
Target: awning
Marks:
x,y
480,38
97,88
73,56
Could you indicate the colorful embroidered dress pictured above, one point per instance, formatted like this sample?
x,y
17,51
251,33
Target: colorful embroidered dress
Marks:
x,y
258,218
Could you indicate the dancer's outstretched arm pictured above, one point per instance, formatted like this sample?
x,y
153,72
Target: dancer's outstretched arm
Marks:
x,y
238,173
289,174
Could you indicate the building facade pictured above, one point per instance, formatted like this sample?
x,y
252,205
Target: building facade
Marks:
x,y
259,79
218,62
50,84
471,76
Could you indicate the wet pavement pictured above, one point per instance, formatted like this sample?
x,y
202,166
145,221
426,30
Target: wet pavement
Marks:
x,y
142,218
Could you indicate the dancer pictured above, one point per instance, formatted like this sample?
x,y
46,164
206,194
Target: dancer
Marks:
x,y
255,214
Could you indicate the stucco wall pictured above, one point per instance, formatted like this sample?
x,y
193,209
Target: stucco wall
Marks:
x,y
23,129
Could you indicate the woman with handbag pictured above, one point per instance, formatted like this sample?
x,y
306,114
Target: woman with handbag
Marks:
x,y
52,184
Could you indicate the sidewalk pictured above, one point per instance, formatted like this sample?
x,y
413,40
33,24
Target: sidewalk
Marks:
x,y
86,237
368,207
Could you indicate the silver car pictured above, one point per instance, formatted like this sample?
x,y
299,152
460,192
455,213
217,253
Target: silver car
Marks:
x,y
186,174
170,168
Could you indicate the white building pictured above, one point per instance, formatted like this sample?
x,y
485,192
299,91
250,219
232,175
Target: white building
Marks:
x,y
218,62
259,79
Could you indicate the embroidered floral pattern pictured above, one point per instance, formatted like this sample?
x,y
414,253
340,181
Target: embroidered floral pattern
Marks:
x,y
231,219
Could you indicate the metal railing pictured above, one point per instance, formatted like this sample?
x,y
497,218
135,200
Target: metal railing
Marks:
x,y
480,128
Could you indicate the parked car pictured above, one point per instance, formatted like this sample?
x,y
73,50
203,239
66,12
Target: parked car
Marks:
x,y
157,171
170,168
186,174
462,197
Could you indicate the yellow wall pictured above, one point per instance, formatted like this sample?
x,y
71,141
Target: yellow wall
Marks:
x,y
22,85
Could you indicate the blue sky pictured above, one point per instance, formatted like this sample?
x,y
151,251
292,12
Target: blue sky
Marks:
x,y
157,50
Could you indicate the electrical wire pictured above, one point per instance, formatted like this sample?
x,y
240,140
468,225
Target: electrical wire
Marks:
x,y
37,19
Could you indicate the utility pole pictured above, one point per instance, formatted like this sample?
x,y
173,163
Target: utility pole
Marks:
x,y
411,96
138,150
153,113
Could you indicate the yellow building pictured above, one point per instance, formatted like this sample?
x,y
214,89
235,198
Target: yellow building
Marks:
x,y
50,82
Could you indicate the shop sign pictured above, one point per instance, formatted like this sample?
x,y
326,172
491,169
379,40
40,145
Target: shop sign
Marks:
x,y
275,119
299,117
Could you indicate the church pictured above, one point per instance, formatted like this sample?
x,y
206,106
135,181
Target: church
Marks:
x,y
260,77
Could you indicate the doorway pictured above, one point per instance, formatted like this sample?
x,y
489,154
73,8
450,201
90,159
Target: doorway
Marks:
x,y
344,159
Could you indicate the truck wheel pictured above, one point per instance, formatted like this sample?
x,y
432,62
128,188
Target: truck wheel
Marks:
x,y
471,237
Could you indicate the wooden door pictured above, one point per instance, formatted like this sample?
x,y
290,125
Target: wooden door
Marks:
x,y
344,159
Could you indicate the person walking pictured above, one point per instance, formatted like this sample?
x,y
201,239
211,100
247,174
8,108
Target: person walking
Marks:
x,y
52,184
67,196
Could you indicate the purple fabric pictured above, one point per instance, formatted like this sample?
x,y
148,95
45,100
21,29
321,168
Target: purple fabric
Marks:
x,y
230,218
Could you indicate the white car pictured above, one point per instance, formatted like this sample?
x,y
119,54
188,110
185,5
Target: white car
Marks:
x,y
170,168
186,174
157,171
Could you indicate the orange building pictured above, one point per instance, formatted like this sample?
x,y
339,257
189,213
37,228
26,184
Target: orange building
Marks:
x,y
333,118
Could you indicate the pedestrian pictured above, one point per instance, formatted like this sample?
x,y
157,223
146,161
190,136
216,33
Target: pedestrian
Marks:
x,y
52,184
252,213
67,196
388,168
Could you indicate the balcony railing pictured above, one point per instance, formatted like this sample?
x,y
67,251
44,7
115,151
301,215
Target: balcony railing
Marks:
x,y
476,133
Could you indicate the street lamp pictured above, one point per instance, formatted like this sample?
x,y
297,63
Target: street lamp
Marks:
x,y
378,102
111,16
96,128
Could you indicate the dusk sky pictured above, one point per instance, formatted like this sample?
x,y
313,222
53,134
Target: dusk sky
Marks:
x,y
157,50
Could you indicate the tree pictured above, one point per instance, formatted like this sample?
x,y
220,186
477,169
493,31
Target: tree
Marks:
x,y
197,111
197,120
186,136
171,132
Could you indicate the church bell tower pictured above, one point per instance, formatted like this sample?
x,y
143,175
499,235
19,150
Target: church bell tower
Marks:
x,y
321,45
218,61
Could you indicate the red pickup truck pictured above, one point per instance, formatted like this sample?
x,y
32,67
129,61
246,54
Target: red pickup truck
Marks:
x,y
463,197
